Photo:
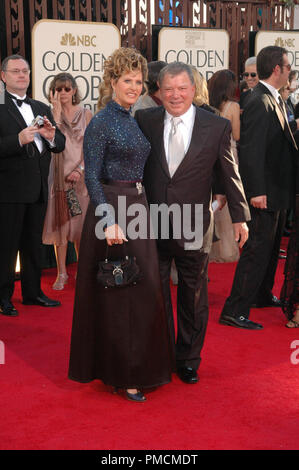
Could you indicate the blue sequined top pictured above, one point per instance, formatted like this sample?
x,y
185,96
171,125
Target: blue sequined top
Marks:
x,y
114,148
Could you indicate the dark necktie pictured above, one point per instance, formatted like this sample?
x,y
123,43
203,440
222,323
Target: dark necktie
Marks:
x,y
282,105
19,101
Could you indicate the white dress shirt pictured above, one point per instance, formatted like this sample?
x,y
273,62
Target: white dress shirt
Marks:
x,y
186,128
28,116
272,90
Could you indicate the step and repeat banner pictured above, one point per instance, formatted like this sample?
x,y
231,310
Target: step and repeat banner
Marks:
x,y
79,48
287,39
290,41
206,49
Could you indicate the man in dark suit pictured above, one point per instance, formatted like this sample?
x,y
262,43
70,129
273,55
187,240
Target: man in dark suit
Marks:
x,y
251,77
187,145
267,167
25,152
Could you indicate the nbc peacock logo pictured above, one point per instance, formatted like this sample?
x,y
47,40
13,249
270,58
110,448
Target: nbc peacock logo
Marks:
x,y
290,42
68,39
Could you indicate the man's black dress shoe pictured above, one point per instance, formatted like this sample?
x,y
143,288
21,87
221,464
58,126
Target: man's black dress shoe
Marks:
x,y
239,322
188,375
272,302
43,301
7,308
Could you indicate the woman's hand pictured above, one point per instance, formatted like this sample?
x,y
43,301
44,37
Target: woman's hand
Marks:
x,y
115,235
55,101
73,177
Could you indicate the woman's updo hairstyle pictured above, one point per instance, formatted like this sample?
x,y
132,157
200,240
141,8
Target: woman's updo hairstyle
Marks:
x,y
123,60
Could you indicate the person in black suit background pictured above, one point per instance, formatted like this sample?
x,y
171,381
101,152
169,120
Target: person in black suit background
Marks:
x,y
25,152
267,167
250,75
182,173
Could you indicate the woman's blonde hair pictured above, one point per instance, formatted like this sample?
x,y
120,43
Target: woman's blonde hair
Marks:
x,y
123,60
201,95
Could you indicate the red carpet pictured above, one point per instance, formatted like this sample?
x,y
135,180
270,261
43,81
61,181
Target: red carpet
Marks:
x,y
247,396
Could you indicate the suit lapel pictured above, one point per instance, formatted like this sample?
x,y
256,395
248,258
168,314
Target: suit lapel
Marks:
x,y
159,138
36,111
284,123
14,112
34,107
281,116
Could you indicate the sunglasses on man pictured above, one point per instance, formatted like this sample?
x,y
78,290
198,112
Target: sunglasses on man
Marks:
x,y
252,74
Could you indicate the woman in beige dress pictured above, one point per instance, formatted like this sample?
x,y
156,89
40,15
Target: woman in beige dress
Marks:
x,y
66,171
222,89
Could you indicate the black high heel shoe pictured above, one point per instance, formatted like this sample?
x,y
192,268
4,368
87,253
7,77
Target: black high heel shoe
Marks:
x,y
137,397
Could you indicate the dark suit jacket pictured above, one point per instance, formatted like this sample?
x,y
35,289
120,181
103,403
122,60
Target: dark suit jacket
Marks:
x,y
267,152
23,170
209,150
244,97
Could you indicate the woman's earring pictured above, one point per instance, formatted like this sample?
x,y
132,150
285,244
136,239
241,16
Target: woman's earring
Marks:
x,y
73,99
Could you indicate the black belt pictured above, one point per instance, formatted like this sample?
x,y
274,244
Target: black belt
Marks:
x,y
126,184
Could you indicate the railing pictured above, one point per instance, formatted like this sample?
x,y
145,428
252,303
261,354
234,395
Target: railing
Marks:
x,y
135,18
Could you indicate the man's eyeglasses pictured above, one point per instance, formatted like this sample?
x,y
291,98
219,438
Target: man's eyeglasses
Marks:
x,y
252,74
66,88
288,66
18,71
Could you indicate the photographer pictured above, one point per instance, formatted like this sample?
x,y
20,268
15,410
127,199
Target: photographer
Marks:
x,y
26,144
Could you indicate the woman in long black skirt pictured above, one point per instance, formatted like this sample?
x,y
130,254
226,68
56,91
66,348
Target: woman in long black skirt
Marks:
x,y
289,295
119,335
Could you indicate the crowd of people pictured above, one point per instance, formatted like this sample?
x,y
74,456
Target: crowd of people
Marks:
x,y
162,136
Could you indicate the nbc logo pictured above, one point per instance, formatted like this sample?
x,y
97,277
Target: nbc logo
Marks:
x,y
68,39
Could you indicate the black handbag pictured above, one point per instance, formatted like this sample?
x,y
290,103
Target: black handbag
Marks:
x,y
73,202
118,273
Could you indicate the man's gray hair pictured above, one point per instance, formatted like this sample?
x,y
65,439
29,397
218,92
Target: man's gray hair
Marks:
x,y
174,69
12,57
250,61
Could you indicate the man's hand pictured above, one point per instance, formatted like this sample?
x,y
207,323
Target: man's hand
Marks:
x,y
241,233
259,202
47,131
27,135
221,199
